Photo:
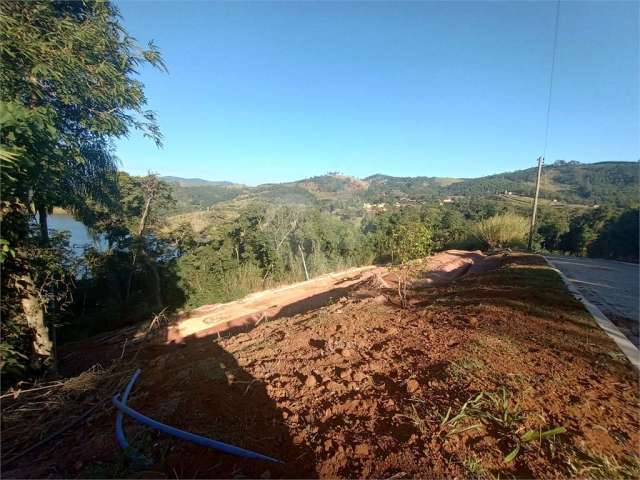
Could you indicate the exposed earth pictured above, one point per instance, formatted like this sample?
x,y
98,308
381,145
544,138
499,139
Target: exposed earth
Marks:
x,y
459,366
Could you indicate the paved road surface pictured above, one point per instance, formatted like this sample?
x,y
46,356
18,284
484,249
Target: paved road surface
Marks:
x,y
611,286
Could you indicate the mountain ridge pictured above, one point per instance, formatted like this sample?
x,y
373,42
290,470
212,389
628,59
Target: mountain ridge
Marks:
x,y
610,182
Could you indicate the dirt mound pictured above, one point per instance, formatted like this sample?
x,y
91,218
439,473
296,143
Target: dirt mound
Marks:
x,y
447,266
269,304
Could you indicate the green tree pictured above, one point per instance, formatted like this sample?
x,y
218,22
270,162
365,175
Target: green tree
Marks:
x,y
618,238
584,229
411,241
67,89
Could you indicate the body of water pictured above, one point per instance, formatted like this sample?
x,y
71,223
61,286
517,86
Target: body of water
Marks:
x,y
80,236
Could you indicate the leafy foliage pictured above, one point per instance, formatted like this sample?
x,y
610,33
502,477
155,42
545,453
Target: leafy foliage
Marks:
x,y
504,230
67,89
67,72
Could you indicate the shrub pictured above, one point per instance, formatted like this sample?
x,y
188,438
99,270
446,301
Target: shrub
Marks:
x,y
412,241
504,230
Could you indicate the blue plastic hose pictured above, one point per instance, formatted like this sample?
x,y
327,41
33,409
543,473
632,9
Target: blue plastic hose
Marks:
x,y
137,458
176,432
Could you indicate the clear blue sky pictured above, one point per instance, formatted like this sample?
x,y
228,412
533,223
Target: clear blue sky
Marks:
x,y
269,92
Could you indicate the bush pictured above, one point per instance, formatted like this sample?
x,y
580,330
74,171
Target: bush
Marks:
x,y
618,238
505,230
412,241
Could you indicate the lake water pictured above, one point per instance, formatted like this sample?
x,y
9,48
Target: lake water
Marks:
x,y
80,236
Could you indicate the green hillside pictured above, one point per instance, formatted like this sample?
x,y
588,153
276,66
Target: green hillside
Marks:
x,y
608,183
614,183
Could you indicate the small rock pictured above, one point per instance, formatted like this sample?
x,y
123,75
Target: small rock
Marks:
x,y
359,376
345,375
334,386
362,450
328,444
311,381
412,386
349,353
379,299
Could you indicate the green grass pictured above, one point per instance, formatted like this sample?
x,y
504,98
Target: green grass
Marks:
x,y
500,416
461,368
592,465
476,468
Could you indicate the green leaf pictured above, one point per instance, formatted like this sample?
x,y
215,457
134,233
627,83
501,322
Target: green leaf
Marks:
x,y
553,432
514,453
532,435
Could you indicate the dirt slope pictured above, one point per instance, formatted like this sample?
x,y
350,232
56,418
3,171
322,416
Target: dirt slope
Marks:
x,y
447,386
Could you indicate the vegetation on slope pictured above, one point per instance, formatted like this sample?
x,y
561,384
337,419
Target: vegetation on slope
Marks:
x,y
608,183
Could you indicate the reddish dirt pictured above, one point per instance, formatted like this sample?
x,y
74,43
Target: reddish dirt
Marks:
x,y
268,304
359,388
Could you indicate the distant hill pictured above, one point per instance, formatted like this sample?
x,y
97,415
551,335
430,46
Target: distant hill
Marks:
x,y
614,183
193,194
194,182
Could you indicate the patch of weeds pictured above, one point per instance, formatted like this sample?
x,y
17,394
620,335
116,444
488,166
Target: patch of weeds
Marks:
x,y
519,382
476,468
137,458
532,436
592,465
618,357
477,345
118,468
496,413
416,419
454,424
463,367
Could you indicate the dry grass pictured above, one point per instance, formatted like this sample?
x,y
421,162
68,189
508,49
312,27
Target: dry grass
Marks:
x,y
505,230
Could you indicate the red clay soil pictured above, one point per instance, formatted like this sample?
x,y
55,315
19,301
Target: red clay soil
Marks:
x,y
268,304
365,388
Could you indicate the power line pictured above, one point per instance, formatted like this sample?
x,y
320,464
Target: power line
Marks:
x,y
553,67
546,130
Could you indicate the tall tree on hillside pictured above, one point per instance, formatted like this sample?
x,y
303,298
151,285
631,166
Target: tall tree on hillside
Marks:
x,y
67,90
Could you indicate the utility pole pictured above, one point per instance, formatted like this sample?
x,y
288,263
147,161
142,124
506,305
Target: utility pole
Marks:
x,y
304,264
535,203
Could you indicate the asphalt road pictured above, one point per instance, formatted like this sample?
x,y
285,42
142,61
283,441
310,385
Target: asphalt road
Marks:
x,y
612,286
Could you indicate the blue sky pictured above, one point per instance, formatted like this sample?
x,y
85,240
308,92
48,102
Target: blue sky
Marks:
x,y
266,92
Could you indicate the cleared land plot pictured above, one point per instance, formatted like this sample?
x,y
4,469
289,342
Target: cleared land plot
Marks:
x,y
502,360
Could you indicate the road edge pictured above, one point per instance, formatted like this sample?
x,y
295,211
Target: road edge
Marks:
x,y
624,344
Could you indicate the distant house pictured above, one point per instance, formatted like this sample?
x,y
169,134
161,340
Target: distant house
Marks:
x,y
448,200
